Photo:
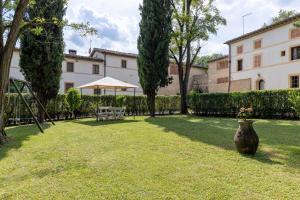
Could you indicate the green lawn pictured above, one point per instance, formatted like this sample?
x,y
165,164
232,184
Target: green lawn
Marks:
x,y
173,157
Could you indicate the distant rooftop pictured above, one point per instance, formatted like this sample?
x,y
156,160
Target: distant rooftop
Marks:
x,y
111,52
265,29
217,59
88,58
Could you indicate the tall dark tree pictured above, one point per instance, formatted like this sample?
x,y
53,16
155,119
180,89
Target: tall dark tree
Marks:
x,y
153,46
42,50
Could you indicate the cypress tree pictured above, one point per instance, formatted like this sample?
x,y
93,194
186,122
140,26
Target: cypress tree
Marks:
x,y
42,49
153,46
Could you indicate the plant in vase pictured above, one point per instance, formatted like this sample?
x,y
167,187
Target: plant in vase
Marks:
x,y
246,139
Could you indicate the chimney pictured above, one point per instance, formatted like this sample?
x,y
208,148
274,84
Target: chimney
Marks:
x,y
72,52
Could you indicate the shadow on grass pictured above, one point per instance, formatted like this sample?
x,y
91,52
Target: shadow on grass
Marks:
x,y
103,123
17,135
281,137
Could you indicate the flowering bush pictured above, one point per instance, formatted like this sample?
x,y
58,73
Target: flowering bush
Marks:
x,y
245,113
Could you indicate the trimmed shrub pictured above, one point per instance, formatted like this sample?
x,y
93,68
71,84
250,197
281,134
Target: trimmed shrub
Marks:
x,y
295,100
59,108
266,104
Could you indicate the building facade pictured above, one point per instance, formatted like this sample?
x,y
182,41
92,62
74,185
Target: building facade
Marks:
x,y
79,70
266,59
198,80
218,78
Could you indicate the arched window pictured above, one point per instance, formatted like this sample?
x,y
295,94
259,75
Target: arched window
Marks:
x,y
261,85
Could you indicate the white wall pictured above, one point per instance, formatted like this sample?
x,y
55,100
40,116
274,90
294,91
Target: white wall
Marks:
x,y
115,70
82,72
275,70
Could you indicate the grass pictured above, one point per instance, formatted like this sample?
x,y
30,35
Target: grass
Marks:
x,y
172,157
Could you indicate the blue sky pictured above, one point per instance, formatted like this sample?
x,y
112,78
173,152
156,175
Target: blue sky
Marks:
x,y
118,22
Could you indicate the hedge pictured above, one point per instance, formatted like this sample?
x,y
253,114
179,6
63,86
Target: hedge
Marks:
x,y
266,104
58,108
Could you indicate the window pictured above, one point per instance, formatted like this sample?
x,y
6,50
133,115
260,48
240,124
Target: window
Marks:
x,y
222,65
68,86
240,65
240,49
282,53
295,53
295,33
261,85
124,63
97,91
257,44
222,80
294,81
96,69
257,61
70,67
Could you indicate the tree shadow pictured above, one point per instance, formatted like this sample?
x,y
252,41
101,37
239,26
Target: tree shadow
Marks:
x,y
17,135
103,123
281,137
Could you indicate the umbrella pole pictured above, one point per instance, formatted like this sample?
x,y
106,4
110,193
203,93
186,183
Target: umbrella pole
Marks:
x,y
115,97
134,108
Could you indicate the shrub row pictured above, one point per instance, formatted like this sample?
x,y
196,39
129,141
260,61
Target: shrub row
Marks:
x,y
266,104
58,108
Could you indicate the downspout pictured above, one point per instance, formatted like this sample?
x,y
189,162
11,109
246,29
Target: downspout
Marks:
x,y
104,70
229,69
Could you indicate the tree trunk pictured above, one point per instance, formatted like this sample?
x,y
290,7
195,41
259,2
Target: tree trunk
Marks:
x,y
184,103
6,53
41,113
151,103
2,125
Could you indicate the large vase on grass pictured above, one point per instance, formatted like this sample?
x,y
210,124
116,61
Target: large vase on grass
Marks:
x,y
246,139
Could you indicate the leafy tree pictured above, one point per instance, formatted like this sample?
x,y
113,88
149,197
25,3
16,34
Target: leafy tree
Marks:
x,y
193,22
42,54
11,25
153,46
282,15
11,14
74,100
204,60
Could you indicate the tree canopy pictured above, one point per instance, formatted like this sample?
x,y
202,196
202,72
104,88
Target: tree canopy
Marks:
x,y
193,23
42,52
153,46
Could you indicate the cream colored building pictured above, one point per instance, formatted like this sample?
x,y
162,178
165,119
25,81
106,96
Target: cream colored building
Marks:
x,y
198,80
218,78
266,59
79,70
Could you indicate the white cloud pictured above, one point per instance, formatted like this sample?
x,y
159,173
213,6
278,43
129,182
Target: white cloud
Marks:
x,y
124,17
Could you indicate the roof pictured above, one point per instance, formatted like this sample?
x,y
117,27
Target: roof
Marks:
x,y
199,66
265,29
111,52
217,59
88,58
108,83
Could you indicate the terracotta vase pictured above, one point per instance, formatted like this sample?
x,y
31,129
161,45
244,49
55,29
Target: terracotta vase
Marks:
x,y
246,139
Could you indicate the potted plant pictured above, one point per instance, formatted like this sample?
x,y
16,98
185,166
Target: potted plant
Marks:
x,y
246,139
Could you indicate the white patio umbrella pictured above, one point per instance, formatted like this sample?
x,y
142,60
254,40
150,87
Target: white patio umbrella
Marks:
x,y
108,83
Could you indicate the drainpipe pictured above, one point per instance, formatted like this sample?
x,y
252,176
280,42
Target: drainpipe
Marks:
x,y
229,67
104,69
